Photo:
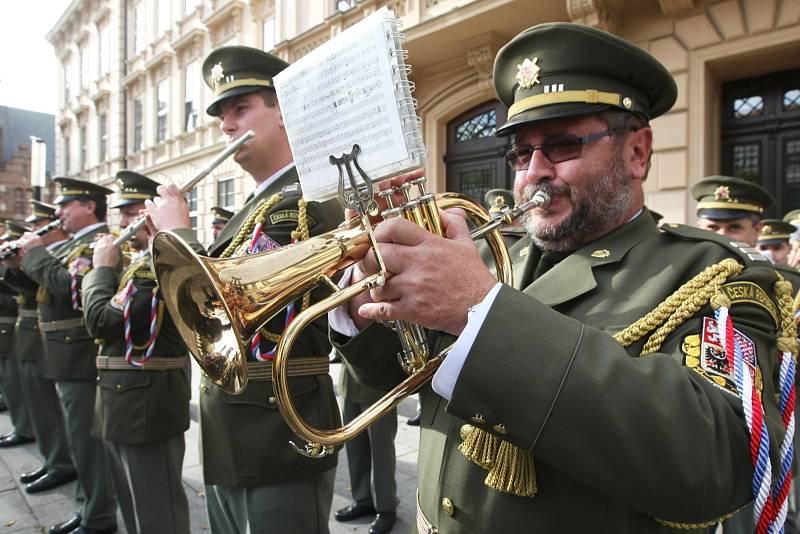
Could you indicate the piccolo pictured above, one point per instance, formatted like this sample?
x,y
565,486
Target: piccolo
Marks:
x,y
232,148
14,247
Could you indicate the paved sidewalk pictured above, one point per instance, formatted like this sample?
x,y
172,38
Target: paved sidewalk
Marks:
x,y
23,513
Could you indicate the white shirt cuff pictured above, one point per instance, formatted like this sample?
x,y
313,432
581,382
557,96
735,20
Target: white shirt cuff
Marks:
x,y
444,381
339,318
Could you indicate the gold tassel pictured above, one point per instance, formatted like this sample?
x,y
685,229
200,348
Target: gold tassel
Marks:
x,y
513,471
478,445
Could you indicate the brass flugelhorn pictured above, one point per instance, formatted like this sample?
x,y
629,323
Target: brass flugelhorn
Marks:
x,y
133,228
13,247
219,304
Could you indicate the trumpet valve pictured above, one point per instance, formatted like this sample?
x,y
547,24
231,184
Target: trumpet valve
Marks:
x,y
386,194
406,190
420,183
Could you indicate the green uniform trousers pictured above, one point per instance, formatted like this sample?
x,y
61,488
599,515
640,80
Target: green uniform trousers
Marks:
x,y
15,396
99,510
299,506
47,419
149,484
371,459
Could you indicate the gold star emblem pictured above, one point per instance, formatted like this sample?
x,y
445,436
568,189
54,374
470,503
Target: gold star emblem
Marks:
x,y
528,73
723,192
603,253
217,73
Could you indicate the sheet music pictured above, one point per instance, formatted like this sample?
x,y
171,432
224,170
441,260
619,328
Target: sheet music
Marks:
x,y
348,91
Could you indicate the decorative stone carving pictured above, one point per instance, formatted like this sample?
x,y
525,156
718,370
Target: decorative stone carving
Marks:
x,y
481,51
595,13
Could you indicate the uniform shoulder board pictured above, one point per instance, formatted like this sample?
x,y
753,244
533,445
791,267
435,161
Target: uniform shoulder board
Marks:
x,y
750,255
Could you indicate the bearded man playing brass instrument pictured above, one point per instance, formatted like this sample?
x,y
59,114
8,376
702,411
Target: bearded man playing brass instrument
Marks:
x,y
254,481
557,410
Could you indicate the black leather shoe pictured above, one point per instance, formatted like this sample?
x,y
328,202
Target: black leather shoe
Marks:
x,y
87,530
383,523
67,526
354,511
13,439
414,421
30,476
50,481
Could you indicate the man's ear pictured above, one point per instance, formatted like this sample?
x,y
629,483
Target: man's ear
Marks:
x,y
639,149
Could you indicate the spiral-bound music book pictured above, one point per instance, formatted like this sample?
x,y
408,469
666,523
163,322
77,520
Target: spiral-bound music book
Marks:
x,y
354,89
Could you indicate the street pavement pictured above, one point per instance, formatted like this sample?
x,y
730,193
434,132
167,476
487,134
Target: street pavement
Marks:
x,y
23,513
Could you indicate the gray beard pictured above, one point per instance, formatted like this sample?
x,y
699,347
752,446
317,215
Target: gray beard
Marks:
x,y
599,203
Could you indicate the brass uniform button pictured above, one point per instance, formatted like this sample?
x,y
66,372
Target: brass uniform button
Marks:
x,y
203,388
67,338
447,506
500,429
465,431
272,400
119,387
478,419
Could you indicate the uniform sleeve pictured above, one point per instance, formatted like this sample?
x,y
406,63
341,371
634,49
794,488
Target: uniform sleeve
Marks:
x,y
647,431
47,271
102,320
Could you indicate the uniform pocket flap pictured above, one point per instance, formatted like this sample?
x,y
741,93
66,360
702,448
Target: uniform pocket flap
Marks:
x,y
124,381
262,394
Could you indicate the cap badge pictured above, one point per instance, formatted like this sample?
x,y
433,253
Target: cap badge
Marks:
x,y
603,253
528,73
217,73
767,230
722,192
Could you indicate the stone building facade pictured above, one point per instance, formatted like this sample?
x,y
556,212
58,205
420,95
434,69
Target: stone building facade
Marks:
x,y
132,94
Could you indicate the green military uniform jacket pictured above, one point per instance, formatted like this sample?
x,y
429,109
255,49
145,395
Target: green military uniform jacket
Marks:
x,y
71,351
621,442
134,405
245,442
27,338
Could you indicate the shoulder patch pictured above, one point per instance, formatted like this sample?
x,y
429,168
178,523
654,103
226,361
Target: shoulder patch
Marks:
x,y
744,292
703,354
749,254
289,215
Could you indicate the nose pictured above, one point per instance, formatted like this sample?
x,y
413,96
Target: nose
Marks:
x,y
539,169
59,211
227,125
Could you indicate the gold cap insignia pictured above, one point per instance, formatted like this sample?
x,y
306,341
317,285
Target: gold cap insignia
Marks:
x,y
601,253
723,192
217,73
528,73
766,230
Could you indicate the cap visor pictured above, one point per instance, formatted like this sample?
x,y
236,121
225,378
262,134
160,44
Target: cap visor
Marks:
x,y
213,108
546,113
723,214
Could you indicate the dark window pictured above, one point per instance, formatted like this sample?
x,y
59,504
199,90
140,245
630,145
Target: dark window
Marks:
x,y
481,125
474,157
138,117
761,134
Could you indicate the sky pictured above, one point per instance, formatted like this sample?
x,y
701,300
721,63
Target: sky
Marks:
x,y
28,66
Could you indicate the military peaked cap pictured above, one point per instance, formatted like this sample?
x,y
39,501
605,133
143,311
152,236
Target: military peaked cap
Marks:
x,y
134,188
560,69
775,232
14,229
236,70
71,189
793,217
497,199
41,212
221,215
725,197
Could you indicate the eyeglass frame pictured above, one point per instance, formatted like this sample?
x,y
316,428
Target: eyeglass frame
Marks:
x,y
580,141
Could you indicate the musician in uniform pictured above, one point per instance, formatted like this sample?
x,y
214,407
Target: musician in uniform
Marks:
x,y
255,482
47,418
732,207
773,240
557,410
221,218
9,360
143,383
69,349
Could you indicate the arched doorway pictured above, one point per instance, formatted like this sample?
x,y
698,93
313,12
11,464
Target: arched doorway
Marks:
x,y
761,135
474,157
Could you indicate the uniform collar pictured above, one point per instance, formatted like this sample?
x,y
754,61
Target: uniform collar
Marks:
x,y
266,183
86,229
574,275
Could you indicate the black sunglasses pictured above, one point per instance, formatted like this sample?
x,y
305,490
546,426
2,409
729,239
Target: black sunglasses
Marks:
x,y
558,150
